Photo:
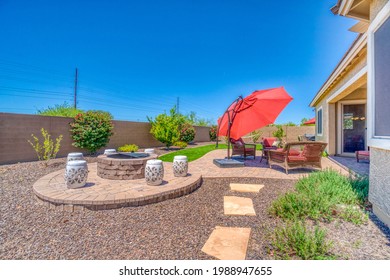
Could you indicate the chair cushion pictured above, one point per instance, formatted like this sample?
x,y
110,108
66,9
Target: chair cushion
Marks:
x,y
363,153
268,141
296,158
294,152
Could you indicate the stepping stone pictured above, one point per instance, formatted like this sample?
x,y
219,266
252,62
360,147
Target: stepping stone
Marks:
x,y
234,205
246,187
227,243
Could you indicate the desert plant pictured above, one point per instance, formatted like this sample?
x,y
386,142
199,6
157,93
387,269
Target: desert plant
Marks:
x,y
279,133
181,144
213,133
48,149
128,148
295,240
187,133
255,135
323,196
91,130
166,128
63,110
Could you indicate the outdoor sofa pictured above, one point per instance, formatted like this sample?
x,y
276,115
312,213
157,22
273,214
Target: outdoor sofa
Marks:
x,y
298,154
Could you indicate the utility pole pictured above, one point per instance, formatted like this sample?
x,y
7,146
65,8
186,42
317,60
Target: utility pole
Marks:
x,y
75,90
177,105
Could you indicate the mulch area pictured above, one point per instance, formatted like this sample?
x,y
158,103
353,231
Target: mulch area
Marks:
x,y
173,229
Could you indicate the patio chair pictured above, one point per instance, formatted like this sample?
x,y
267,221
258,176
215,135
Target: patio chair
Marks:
x,y
362,155
309,154
239,147
269,143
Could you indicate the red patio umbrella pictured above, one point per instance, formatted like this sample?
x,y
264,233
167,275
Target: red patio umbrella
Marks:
x,y
256,110
311,121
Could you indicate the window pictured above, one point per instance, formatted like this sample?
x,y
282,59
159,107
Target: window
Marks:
x,y
319,121
382,79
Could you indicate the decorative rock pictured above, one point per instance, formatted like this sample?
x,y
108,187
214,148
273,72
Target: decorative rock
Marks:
x,y
154,172
76,174
149,151
109,151
75,156
180,166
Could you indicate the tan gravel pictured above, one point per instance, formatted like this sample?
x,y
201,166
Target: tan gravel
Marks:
x,y
173,229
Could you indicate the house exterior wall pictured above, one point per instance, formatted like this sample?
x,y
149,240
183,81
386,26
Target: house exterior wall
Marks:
x,y
379,190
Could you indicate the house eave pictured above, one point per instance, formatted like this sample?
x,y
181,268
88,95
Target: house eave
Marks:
x,y
357,46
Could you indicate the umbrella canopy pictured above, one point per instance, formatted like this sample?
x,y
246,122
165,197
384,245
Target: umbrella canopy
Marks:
x,y
257,110
311,121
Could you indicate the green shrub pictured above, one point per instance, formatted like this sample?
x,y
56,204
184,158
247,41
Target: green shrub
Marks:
x,y
295,240
187,133
322,196
91,130
128,148
64,110
213,133
47,150
165,128
181,144
279,133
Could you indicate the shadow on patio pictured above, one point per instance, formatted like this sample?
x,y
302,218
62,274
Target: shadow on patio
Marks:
x,y
361,168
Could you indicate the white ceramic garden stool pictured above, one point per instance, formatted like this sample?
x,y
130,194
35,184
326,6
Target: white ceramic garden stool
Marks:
x,y
149,151
76,174
75,156
180,166
109,151
154,172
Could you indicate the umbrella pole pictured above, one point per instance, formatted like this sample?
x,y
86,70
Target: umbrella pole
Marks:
x,y
228,142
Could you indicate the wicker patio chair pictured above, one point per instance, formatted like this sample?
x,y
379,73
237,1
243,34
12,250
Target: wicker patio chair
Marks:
x,y
308,153
239,147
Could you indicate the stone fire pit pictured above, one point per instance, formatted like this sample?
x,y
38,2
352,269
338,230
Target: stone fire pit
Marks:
x,y
123,166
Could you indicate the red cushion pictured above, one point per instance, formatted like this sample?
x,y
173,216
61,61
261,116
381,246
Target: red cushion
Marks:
x,y
296,158
363,153
269,141
294,152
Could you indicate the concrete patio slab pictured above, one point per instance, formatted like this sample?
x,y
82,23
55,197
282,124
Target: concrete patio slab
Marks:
x,y
227,243
239,206
255,188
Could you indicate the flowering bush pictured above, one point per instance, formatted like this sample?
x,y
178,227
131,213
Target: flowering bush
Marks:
x,y
187,133
213,133
47,150
91,130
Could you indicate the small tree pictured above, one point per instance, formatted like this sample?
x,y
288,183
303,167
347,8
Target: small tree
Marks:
x,y
91,130
166,128
279,133
47,150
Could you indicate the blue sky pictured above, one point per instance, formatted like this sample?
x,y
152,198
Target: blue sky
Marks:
x,y
135,58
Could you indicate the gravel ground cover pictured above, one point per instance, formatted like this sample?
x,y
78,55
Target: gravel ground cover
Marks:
x,y
173,229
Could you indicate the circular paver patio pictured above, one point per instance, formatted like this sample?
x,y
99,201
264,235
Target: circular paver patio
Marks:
x,y
101,193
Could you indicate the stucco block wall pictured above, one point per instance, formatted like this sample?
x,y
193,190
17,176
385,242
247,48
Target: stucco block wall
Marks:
x,y
16,129
379,191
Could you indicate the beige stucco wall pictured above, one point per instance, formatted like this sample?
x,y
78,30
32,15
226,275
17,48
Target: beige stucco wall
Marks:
x,y
16,129
328,126
379,191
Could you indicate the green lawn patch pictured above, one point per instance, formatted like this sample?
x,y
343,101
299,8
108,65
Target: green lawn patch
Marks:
x,y
195,153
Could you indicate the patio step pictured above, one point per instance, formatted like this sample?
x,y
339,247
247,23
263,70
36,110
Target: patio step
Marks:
x,y
228,243
246,187
238,206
